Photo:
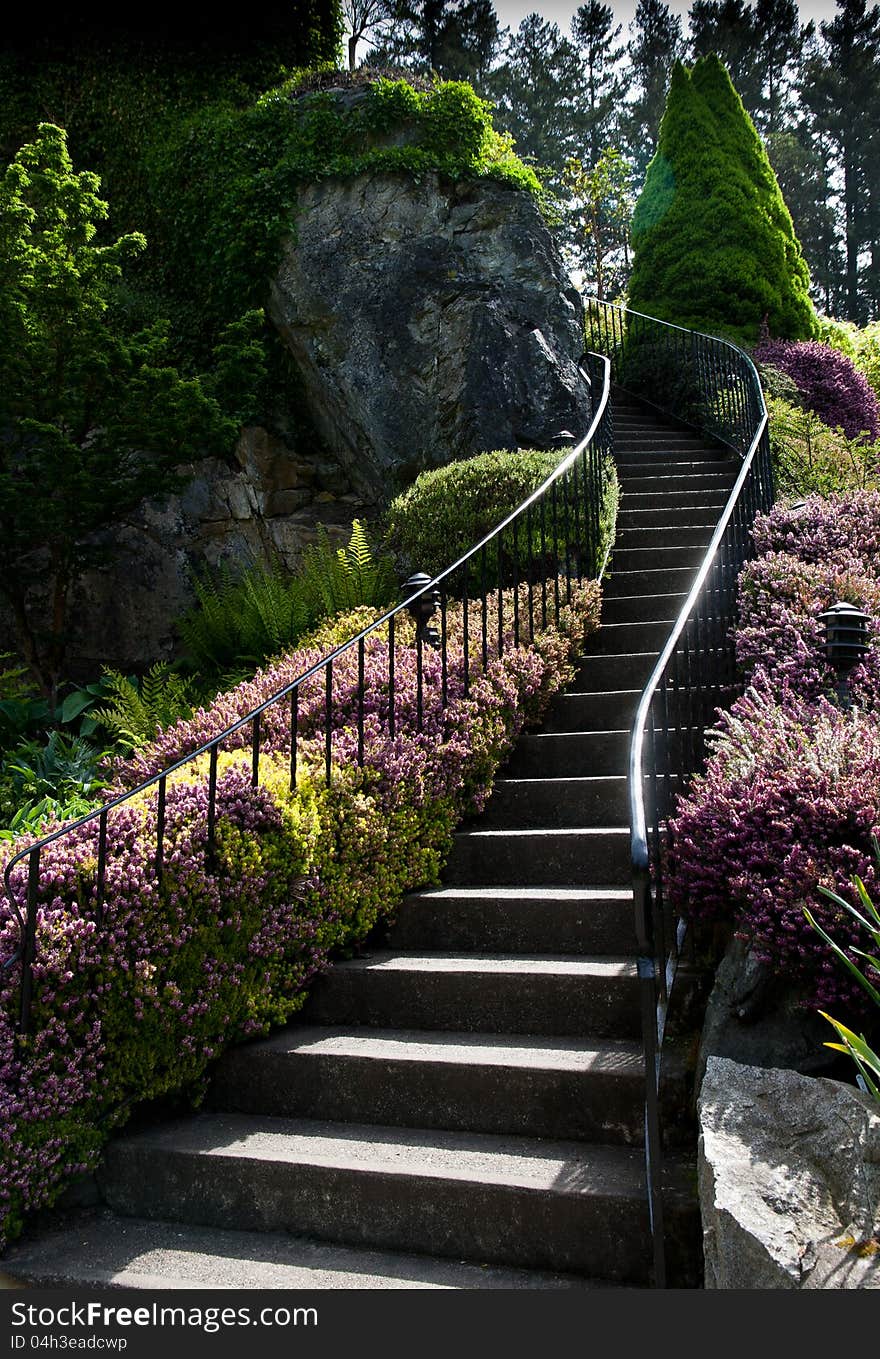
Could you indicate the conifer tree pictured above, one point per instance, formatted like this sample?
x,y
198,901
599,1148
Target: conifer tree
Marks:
x,y
714,246
655,44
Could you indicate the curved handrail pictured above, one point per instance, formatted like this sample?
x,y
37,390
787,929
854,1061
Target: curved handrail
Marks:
x,y
638,820
731,408
32,851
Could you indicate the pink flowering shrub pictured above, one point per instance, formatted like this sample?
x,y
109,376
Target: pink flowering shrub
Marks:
x,y
843,530
828,381
135,1005
791,791
781,599
788,802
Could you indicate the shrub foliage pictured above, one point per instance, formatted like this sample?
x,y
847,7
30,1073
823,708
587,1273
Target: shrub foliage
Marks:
x,y
713,242
219,949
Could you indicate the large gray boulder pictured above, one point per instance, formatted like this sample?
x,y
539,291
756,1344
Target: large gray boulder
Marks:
x,y
429,321
789,1180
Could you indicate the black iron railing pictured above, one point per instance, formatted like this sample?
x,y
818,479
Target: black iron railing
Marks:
x,y
520,575
712,385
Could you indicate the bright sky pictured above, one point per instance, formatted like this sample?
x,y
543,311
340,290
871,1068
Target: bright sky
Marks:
x,y
512,12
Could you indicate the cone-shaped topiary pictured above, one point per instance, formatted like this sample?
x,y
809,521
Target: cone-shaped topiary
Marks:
x,y
714,245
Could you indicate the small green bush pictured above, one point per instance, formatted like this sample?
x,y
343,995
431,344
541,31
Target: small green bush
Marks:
x,y
449,509
809,457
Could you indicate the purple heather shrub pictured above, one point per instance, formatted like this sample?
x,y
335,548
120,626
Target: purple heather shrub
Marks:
x,y
843,530
829,383
789,800
137,1003
781,599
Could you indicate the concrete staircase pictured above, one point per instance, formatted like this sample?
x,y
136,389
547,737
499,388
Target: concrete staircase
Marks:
x,y
463,1106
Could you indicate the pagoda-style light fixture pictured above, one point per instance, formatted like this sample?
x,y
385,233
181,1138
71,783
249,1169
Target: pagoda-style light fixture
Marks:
x,y
423,608
846,641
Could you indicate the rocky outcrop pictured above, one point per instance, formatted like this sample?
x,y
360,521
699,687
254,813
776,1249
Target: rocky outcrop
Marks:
x,y
268,505
789,1180
428,322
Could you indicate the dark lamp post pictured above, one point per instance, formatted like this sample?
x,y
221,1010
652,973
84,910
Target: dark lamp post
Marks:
x,y
846,641
423,608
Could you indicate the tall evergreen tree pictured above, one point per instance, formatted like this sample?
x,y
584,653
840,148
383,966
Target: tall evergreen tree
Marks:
x,y
656,43
802,166
780,40
537,89
459,39
840,90
728,28
605,82
713,241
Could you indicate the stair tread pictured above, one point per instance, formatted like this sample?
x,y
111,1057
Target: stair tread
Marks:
x,y
590,1054
565,1168
549,893
539,832
501,964
102,1248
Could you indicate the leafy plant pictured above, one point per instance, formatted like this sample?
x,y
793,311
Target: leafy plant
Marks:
x,y
713,243
809,457
242,619
94,419
65,765
856,1045
448,509
345,578
140,708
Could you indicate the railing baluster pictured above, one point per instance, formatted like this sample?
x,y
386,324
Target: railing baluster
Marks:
x,y
328,723
360,705
294,733
212,801
255,752
391,676
29,942
102,866
160,829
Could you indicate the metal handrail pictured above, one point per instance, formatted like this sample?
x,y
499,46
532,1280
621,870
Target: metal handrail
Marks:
x,y
726,402
586,456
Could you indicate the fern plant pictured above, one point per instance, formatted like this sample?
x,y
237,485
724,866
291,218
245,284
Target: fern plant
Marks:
x,y
240,619
138,710
347,578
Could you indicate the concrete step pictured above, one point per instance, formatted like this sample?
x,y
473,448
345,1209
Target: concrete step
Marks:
x,y
658,580
595,674
655,558
615,639
706,498
518,919
675,517
549,1205
108,1251
642,608
640,535
576,712
556,802
576,856
648,439
481,993
675,483
467,1082
651,463
562,755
